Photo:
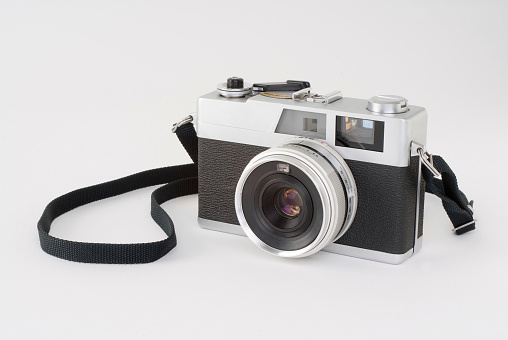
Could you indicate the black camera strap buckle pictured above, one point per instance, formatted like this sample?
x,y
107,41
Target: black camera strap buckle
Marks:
x,y
464,225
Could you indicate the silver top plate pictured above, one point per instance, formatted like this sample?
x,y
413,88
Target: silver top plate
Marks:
x,y
253,121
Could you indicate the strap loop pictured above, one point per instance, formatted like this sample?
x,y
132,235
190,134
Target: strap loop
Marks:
x,y
428,161
455,202
181,180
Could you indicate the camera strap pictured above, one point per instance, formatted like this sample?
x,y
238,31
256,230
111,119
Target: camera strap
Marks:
x,y
179,181
457,206
182,180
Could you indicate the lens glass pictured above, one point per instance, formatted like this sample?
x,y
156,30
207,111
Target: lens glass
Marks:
x,y
288,202
283,205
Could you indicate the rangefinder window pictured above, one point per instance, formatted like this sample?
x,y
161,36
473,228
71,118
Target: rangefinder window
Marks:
x,y
359,133
302,123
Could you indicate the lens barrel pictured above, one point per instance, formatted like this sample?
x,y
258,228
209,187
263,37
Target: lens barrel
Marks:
x,y
302,209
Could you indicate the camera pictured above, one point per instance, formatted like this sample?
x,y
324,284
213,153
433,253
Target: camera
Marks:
x,y
299,172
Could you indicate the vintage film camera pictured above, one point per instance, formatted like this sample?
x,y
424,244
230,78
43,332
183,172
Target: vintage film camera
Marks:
x,y
299,172
296,172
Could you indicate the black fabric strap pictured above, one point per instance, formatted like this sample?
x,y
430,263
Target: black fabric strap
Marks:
x,y
455,202
181,180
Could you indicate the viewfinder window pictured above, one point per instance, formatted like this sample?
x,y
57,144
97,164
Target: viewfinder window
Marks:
x,y
360,133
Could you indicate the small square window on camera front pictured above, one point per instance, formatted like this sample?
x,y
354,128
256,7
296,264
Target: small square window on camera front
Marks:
x,y
302,123
310,124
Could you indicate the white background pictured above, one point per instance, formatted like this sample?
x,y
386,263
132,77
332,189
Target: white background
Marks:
x,y
88,93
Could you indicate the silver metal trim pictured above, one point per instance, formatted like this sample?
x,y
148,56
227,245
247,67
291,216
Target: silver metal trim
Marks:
x,y
368,254
464,225
329,97
221,226
418,245
340,249
470,206
417,147
329,217
253,120
428,161
343,171
302,94
224,91
306,95
186,120
390,104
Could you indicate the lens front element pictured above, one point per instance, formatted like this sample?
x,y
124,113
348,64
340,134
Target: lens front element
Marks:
x,y
288,202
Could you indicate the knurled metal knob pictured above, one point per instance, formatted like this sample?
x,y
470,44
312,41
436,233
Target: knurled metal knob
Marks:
x,y
387,104
235,83
234,87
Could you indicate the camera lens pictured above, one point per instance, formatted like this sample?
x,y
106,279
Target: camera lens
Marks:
x,y
302,209
288,202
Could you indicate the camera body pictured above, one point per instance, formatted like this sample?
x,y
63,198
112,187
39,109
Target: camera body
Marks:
x,y
299,172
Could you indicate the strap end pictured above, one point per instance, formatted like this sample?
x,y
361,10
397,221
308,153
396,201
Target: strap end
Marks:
x,y
465,227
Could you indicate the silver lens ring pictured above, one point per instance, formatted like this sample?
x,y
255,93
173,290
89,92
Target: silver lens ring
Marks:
x,y
332,179
345,174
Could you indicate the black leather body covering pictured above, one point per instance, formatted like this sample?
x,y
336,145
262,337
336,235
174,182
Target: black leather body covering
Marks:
x,y
387,196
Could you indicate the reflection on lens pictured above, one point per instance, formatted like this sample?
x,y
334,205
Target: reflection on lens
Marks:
x,y
288,202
